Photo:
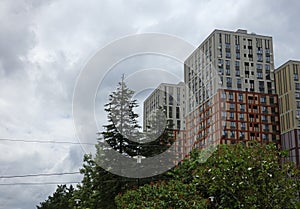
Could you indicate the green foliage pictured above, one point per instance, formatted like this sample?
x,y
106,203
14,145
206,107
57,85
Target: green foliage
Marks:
x,y
122,131
60,199
236,176
172,194
248,177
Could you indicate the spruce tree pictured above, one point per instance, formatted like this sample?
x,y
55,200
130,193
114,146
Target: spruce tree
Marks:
x,y
122,131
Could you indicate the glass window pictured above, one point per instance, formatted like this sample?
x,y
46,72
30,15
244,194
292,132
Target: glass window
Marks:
x,y
263,99
259,66
228,55
259,75
230,95
227,71
242,116
242,107
228,79
232,134
232,124
240,97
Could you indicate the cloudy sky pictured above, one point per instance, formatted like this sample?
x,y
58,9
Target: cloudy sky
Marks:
x,y
44,45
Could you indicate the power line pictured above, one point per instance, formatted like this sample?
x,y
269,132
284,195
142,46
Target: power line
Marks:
x,y
38,175
71,182
46,141
38,183
65,142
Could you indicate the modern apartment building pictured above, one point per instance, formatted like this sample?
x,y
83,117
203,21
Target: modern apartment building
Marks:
x,y
170,98
230,93
288,90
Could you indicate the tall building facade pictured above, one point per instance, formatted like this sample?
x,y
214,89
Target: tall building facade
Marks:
x,y
288,90
231,90
170,98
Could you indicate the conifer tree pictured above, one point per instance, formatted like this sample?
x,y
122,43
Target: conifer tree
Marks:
x,y
122,131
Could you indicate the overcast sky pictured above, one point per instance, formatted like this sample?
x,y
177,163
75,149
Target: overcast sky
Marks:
x,y
45,44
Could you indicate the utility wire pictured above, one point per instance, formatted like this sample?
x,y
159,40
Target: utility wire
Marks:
x,y
46,141
65,142
38,183
38,175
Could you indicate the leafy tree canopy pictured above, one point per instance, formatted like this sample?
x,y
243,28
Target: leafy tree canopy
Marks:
x,y
235,176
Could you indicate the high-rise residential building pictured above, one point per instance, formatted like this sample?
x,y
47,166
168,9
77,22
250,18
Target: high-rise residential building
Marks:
x,y
288,90
230,94
170,98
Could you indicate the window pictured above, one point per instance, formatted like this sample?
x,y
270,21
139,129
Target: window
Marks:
x,y
228,55
263,99
298,104
227,64
259,58
231,115
230,95
242,134
178,124
259,75
271,100
223,95
242,107
297,85
170,100
223,114
296,78
264,118
259,66
227,40
243,125
231,106
264,109
239,83
237,65
242,116
228,82
232,134
232,124
227,71
240,97
261,86
170,112
264,136
177,113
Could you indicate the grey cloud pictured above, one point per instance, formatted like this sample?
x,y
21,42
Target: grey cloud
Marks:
x,y
45,44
